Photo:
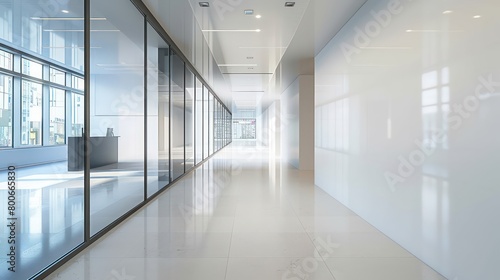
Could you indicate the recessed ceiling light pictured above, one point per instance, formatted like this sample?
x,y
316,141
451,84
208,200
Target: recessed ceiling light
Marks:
x,y
248,12
231,30
66,18
204,4
477,16
447,12
65,11
289,4
433,31
237,65
258,16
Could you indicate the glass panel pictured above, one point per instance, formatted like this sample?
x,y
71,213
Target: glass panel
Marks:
x,y
31,116
5,58
199,121
6,23
57,76
5,111
33,69
57,117
189,115
177,113
217,128
158,112
77,114
211,107
78,83
205,122
49,197
117,116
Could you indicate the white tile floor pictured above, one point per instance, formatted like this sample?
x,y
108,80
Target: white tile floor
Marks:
x,y
241,217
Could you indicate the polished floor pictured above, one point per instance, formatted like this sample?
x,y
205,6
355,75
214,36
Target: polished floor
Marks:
x,y
243,215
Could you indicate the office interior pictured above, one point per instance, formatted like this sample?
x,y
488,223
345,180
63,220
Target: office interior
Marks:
x,y
381,110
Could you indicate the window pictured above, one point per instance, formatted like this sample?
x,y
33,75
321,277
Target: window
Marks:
x,y
57,119
5,60
58,77
31,115
5,111
33,69
244,129
77,114
78,83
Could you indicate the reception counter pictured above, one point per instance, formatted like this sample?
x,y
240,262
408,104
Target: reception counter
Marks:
x,y
103,151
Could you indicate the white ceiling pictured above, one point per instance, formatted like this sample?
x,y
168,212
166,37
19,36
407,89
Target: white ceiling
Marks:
x,y
288,40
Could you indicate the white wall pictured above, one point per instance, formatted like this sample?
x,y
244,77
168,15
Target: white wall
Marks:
x,y
118,102
297,123
407,115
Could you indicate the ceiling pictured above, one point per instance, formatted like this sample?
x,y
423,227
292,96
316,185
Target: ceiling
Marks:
x,y
250,51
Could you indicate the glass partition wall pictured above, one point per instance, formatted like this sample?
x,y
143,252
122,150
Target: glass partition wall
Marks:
x,y
82,158
41,202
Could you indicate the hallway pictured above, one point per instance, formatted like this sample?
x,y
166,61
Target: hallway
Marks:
x,y
240,216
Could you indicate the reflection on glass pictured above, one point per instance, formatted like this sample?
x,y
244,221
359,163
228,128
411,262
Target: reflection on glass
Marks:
x,y
49,197
189,118
205,123
117,116
211,125
57,117
199,121
177,113
158,112
435,108
5,111
31,123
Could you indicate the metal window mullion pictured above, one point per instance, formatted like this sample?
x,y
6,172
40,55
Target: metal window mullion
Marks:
x,y
86,132
145,109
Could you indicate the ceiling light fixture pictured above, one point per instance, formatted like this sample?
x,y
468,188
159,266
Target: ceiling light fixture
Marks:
x,y
289,4
231,30
262,47
385,48
258,16
204,4
477,16
248,12
66,18
65,11
237,65
80,30
447,12
432,31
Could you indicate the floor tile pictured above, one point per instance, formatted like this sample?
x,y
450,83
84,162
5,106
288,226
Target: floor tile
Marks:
x,y
277,269
381,269
244,244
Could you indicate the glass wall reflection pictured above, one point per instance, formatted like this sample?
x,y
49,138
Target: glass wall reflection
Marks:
x,y
189,119
158,120
40,55
117,111
42,121
177,115
199,122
